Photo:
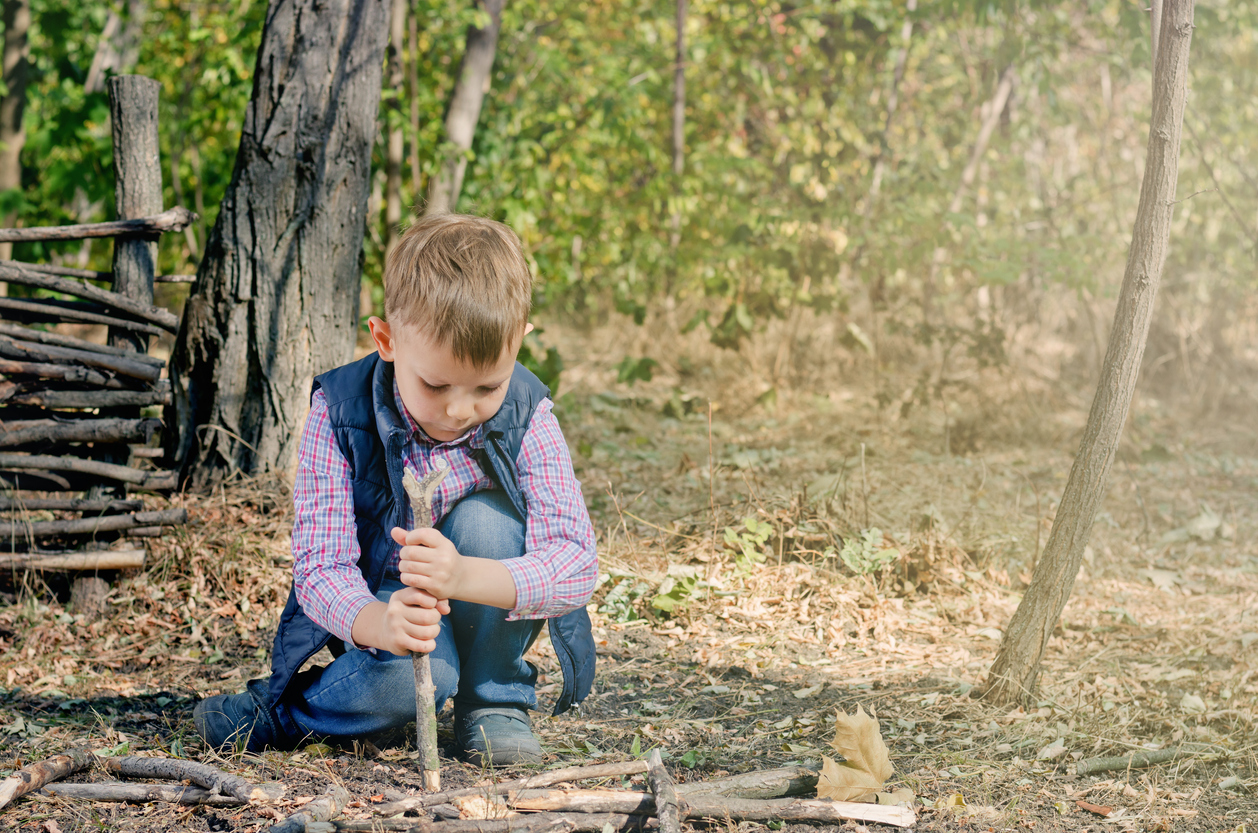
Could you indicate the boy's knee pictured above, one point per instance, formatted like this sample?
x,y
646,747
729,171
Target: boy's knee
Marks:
x,y
485,525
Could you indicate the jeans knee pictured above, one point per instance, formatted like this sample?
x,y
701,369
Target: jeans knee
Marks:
x,y
485,525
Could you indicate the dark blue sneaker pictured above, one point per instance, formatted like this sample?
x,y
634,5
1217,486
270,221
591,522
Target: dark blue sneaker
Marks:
x,y
497,737
236,719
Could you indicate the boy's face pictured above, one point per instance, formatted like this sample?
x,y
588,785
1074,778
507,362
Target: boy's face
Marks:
x,y
447,397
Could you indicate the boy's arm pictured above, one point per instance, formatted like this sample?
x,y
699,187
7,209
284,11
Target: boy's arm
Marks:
x,y
326,577
559,568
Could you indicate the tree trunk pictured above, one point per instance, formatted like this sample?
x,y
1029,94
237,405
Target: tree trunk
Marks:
x,y
995,107
1013,675
395,151
17,21
276,298
412,77
138,192
679,124
464,112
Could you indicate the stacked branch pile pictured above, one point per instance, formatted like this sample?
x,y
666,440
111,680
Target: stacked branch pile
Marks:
x,y
72,416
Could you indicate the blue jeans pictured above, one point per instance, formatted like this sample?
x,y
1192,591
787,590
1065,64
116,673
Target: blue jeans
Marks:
x,y
478,661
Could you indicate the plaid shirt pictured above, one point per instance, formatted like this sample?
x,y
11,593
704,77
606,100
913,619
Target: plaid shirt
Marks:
x,y
556,574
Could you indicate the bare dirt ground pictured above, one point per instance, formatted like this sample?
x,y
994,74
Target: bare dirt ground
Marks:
x,y
730,627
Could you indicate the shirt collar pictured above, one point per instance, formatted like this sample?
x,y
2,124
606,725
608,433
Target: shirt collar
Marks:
x,y
472,438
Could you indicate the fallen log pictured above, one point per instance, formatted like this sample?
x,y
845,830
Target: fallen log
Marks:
x,y
534,823
48,354
30,778
27,334
665,792
77,504
767,783
77,431
203,775
1139,760
172,219
118,791
87,526
90,398
47,310
542,779
113,471
84,561
325,808
711,807
63,372
69,286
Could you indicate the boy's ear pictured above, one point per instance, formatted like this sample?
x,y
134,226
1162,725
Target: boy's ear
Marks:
x,y
528,328
382,335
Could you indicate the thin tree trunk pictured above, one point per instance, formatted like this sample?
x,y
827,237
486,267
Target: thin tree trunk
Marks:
x,y
465,103
395,151
679,123
276,297
17,22
1014,673
412,65
893,104
996,106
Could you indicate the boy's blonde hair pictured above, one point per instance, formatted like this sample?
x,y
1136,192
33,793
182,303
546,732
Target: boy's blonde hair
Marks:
x,y
463,281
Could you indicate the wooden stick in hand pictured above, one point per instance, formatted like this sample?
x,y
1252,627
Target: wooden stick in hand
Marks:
x,y
420,492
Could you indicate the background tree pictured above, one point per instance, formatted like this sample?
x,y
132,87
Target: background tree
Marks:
x,y
275,297
1013,674
465,104
17,22
394,119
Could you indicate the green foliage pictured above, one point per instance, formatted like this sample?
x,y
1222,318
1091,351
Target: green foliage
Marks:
x,y
866,554
632,370
785,119
618,604
675,593
545,362
748,543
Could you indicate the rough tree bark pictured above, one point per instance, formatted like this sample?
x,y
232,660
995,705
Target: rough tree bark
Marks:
x,y
395,151
137,192
1014,673
465,103
17,50
277,292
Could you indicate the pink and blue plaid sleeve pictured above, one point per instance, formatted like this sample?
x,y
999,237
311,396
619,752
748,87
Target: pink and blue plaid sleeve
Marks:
x,y
559,567
326,577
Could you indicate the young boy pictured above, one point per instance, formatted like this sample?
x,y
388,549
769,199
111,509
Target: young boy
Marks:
x,y
512,543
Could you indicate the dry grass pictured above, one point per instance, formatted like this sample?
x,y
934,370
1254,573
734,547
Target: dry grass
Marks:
x,y
1155,647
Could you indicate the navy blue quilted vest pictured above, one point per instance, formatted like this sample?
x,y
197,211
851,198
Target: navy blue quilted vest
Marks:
x,y
371,434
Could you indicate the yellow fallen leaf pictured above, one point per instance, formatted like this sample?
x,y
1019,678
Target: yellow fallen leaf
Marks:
x,y
843,782
954,800
858,740
866,767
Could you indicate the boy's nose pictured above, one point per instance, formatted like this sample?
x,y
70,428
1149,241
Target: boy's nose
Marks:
x,y
461,410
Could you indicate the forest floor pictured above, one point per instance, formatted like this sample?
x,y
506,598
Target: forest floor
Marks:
x,y
730,625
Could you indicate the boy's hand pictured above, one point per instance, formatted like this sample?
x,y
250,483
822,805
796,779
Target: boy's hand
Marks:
x,y
408,623
429,561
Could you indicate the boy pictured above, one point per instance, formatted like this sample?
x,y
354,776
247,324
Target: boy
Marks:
x,y
512,543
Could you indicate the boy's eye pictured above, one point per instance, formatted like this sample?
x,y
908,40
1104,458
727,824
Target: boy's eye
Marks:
x,y
487,389
433,388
